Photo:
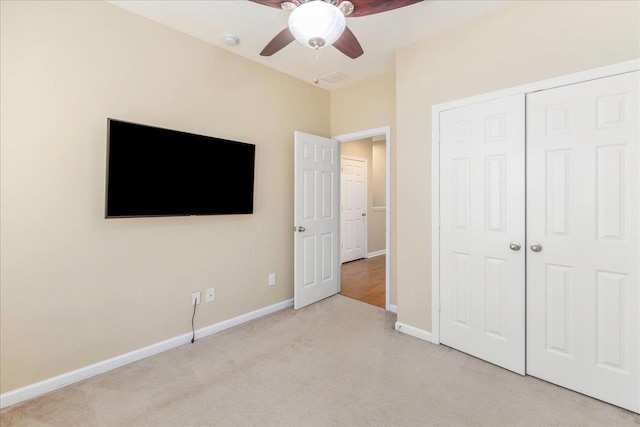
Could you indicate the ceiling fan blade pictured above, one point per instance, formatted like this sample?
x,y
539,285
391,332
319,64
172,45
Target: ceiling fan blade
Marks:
x,y
283,38
369,7
349,44
270,3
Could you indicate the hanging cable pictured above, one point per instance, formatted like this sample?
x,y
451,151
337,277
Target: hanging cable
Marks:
x,y
193,329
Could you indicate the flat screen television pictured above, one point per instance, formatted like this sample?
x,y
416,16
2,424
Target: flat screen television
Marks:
x,y
161,172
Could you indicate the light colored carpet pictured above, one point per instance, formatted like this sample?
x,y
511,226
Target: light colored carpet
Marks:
x,y
335,363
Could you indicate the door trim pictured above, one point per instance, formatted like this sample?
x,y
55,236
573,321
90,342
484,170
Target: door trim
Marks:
x,y
386,131
365,243
579,77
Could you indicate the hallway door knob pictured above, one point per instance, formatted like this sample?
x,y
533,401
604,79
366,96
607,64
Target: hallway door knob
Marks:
x,y
514,246
301,229
536,247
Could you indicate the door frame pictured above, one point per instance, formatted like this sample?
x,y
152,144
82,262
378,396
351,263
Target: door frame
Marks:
x,y
579,77
386,131
365,243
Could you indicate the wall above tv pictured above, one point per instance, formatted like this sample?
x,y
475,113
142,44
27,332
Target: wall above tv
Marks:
x,y
160,172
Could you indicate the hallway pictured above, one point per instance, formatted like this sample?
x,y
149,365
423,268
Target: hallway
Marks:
x,y
364,280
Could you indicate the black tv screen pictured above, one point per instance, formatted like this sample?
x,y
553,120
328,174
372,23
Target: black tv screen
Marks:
x,y
160,172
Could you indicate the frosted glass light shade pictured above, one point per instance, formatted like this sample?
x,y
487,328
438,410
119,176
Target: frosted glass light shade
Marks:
x,y
316,24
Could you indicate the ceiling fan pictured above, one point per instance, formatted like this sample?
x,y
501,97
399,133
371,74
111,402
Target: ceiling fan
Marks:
x,y
320,23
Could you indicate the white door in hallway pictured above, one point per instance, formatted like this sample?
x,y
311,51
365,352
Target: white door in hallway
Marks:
x,y
482,231
316,218
354,208
583,227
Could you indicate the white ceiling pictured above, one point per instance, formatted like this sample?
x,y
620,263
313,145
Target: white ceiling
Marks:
x,y
380,35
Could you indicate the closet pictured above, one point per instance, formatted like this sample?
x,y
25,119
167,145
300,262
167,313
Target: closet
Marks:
x,y
539,225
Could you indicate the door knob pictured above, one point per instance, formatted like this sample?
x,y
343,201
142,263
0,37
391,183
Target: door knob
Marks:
x,y
514,246
301,229
364,214
536,247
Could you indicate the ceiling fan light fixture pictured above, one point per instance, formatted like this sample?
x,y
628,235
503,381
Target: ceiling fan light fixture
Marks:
x,y
316,24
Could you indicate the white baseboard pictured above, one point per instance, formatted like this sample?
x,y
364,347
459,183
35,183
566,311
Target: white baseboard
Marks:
x,y
393,308
51,384
376,253
414,332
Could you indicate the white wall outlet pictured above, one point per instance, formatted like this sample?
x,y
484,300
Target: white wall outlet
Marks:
x,y
272,279
211,294
195,298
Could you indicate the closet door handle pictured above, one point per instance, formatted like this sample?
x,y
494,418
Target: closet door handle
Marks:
x,y
536,247
514,246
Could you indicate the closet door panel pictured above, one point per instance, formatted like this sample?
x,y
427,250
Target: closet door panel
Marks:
x,y
482,213
582,211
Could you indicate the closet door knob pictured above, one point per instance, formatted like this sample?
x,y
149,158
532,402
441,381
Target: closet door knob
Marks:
x,y
536,247
514,246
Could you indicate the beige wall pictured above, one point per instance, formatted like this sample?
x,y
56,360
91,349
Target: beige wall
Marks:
x,y
377,219
379,160
522,43
368,105
363,148
76,288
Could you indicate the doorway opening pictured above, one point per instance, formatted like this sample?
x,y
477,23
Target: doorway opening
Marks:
x,y
365,185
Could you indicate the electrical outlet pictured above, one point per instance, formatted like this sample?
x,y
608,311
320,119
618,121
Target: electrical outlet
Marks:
x,y
211,294
195,298
272,279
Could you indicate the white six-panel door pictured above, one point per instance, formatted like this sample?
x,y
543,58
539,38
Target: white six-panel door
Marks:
x,y
582,210
316,218
482,208
354,208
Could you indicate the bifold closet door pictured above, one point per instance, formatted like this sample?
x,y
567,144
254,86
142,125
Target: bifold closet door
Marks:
x,y
482,214
583,238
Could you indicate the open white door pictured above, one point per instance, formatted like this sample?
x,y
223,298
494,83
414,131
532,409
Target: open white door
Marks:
x,y
316,217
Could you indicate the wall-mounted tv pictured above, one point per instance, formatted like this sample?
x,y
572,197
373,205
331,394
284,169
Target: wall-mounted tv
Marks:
x,y
160,172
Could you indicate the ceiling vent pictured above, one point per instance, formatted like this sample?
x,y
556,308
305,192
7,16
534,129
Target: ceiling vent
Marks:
x,y
334,77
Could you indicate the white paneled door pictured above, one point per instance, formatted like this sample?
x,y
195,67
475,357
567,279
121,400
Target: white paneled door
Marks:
x,y
316,218
482,231
583,247
353,196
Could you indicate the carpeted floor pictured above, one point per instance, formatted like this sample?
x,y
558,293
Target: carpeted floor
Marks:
x,y
335,363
